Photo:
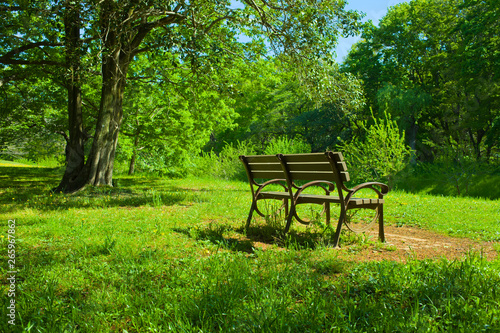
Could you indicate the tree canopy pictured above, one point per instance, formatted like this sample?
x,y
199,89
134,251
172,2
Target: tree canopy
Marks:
x,y
86,48
433,64
172,77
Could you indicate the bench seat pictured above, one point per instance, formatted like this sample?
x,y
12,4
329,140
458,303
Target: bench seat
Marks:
x,y
354,202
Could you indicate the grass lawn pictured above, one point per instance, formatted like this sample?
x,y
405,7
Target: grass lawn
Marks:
x,y
155,255
10,164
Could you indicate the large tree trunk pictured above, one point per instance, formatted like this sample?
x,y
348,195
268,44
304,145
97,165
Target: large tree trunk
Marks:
x,y
75,155
98,169
114,74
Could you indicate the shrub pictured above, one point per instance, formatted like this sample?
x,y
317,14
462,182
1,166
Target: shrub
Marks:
x,y
162,162
381,155
225,165
284,145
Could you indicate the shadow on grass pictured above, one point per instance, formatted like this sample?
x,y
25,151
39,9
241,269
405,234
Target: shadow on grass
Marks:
x,y
302,239
215,235
30,187
22,172
90,199
293,239
475,180
256,236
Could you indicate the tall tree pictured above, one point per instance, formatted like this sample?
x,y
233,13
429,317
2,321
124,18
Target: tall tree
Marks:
x,y
434,65
70,35
172,115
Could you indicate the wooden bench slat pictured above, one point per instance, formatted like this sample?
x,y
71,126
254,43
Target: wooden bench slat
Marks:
x,y
305,158
314,198
265,166
274,195
318,166
268,174
341,166
337,156
345,176
374,203
261,159
311,175
365,201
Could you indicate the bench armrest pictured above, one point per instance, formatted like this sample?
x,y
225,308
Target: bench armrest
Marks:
x,y
319,183
384,189
281,182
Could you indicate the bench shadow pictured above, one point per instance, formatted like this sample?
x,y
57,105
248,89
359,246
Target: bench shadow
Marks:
x,y
215,235
294,239
259,236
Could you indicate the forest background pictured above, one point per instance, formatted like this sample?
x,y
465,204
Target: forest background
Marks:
x,y
417,97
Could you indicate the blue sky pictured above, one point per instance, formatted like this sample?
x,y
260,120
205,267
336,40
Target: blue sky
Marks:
x,y
374,10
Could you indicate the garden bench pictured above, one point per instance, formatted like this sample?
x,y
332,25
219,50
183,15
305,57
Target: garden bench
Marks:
x,y
326,170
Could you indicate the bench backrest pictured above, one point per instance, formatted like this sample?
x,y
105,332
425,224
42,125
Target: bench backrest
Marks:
x,y
263,167
329,166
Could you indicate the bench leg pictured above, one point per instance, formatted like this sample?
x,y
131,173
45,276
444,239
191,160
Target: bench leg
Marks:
x,y
249,219
327,213
381,235
289,218
336,237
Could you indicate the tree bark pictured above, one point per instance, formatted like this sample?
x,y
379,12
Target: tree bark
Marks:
x,y
131,168
75,155
102,155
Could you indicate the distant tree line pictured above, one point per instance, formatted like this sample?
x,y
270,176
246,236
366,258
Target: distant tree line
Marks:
x,y
174,79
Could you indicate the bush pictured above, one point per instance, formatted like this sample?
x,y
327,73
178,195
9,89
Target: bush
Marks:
x,y
284,145
225,165
162,162
381,155
453,177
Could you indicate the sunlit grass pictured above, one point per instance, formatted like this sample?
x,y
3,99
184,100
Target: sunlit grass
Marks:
x,y
15,164
171,254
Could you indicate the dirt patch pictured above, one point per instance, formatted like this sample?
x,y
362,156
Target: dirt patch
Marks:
x,y
405,243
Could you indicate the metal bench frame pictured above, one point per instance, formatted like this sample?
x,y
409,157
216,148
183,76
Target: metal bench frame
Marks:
x,y
326,170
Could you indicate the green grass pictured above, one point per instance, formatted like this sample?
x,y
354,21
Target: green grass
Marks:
x,y
153,255
8,164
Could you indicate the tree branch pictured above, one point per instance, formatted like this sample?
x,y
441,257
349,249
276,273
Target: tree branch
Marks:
x,y
216,21
28,47
31,62
10,8
7,58
145,28
273,7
